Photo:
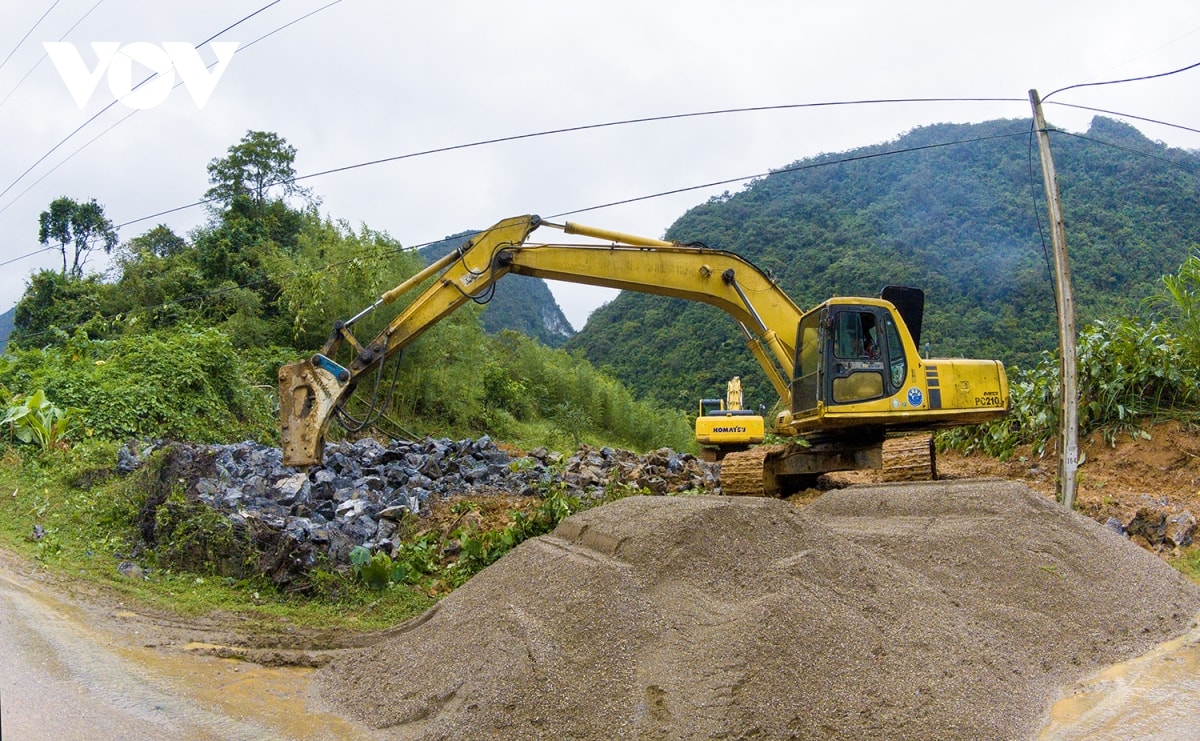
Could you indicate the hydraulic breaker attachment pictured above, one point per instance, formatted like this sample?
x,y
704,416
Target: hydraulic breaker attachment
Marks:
x,y
309,391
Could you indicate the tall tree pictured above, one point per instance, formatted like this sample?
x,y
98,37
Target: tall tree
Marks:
x,y
252,218
257,166
78,229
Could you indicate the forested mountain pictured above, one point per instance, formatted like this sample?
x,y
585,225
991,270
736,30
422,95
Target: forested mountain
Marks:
x,y
6,326
955,216
520,303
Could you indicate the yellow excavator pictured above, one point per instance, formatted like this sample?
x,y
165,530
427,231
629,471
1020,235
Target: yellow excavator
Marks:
x,y
725,426
848,372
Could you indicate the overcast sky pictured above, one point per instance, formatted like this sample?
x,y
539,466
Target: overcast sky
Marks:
x,y
366,79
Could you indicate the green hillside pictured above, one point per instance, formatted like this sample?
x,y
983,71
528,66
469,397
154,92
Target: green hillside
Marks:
x,y
519,303
6,326
955,217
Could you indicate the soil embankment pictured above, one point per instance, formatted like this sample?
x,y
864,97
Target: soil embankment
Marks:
x,y
947,610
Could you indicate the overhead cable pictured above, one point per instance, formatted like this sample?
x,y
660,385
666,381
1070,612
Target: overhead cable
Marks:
x,y
1126,115
44,54
36,23
796,168
584,127
129,115
113,103
1117,82
27,254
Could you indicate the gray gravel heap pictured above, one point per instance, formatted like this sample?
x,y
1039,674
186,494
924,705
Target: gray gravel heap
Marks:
x,y
952,610
360,492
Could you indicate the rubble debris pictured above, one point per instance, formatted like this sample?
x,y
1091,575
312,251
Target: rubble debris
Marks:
x,y
284,521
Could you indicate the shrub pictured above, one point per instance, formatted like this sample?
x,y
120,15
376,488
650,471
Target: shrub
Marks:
x,y
1128,372
182,383
40,422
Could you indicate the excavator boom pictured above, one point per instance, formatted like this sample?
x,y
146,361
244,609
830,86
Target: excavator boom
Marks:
x,y
847,370
310,390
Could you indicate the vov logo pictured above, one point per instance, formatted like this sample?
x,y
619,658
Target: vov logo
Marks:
x,y
165,61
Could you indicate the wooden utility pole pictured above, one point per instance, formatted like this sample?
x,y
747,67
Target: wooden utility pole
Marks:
x,y
1068,417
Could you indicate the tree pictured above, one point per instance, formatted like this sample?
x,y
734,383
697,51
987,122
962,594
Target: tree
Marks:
x,y
159,242
52,301
252,219
78,229
260,163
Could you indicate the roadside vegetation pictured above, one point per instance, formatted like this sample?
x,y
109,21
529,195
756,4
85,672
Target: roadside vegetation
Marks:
x,y
1132,373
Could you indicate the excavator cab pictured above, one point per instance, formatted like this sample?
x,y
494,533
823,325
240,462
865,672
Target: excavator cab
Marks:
x,y
866,354
857,363
847,354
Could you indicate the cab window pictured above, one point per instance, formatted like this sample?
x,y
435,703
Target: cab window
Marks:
x,y
858,370
856,336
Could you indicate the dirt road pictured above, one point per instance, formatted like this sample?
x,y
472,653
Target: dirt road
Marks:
x,y
71,672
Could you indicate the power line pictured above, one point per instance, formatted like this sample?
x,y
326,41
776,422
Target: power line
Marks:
x,y
1127,115
129,115
36,23
27,254
103,110
1151,51
238,22
797,168
286,25
587,127
1190,167
649,119
1127,79
62,162
44,54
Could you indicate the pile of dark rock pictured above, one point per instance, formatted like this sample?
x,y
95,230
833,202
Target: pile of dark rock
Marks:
x,y
288,521
1159,527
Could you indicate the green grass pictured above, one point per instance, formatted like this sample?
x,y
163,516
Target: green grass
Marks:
x,y
1188,562
87,516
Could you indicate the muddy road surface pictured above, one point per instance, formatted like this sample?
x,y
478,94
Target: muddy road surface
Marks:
x,y
96,670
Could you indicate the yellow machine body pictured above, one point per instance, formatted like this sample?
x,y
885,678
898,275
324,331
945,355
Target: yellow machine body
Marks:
x,y
730,429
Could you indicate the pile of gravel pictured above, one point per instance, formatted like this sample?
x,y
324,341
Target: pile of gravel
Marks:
x,y
917,611
296,519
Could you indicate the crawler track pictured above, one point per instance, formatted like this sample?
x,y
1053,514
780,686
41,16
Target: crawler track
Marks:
x,y
755,472
744,474
909,458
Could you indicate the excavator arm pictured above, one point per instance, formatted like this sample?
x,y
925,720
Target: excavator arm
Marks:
x,y
311,390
